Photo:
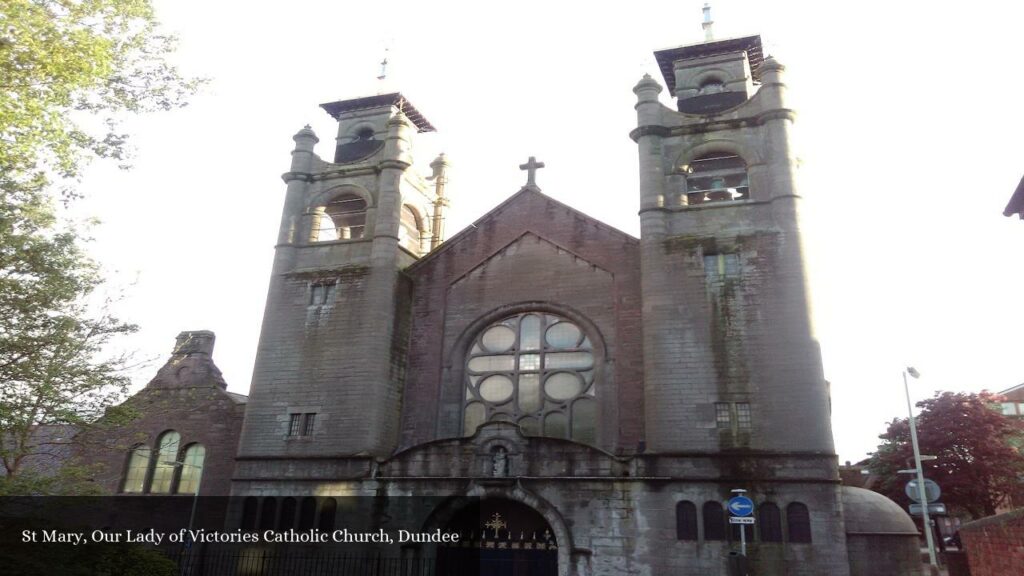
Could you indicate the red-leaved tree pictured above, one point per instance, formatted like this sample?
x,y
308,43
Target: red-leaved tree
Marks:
x,y
979,463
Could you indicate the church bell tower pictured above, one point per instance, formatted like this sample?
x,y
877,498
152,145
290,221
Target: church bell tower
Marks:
x,y
331,359
730,359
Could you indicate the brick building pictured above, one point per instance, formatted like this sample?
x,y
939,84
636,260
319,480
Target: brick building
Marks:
x,y
603,391
184,414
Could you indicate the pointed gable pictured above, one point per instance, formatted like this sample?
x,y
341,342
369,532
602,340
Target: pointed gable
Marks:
x,y
531,252
530,210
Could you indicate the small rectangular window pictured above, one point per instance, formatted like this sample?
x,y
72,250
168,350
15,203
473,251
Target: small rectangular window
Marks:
x,y
718,267
1009,408
307,426
743,415
722,416
322,294
294,424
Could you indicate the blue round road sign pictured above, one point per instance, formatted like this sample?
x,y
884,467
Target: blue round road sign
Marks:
x,y
740,506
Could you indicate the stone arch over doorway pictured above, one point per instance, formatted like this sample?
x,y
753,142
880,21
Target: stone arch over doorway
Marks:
x,y
525,517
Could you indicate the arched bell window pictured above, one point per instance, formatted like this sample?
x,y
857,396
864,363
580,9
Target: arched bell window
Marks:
x,y
711,86
537,370
410,231
343,218
716,177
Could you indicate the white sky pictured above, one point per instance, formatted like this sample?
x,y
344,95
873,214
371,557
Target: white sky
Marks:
x,y
908,123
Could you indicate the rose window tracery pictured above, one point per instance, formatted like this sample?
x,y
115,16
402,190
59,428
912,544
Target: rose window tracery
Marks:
x,y
537,370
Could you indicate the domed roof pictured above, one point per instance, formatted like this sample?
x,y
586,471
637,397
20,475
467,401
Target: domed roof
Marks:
x,y
868,512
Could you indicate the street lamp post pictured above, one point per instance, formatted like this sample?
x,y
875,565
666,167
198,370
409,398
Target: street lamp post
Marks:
x,y
199,485
184,563
920,472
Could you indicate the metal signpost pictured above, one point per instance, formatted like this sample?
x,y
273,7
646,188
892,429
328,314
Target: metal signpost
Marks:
x,y
741,509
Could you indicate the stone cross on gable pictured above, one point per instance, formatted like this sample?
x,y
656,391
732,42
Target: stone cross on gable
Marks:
x,y
531,168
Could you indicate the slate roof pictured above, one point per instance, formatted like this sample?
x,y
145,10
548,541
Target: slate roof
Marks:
x,y
396,99
1016,205
751,44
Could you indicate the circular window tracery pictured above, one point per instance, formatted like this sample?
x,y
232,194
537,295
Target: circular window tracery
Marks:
x,y
535,369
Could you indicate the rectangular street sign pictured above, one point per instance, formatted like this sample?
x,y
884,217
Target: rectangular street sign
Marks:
x,y
741,520
934,509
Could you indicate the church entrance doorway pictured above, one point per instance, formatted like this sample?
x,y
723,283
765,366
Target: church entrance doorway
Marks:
x,y
499,537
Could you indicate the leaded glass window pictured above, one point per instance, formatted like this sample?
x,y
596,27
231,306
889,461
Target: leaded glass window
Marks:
x,y
191,469
138,466
166,463
534,369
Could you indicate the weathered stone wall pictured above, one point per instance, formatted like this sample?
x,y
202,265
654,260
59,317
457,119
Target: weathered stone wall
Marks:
x,y
612,515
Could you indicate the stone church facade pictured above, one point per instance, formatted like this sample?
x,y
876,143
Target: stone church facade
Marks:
x,y
607,392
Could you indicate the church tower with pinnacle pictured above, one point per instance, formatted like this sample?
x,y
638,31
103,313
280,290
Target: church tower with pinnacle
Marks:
x,y
732,369
331,358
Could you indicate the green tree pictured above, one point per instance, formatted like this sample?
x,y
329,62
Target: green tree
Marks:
x,y
978,465
69,71
52,337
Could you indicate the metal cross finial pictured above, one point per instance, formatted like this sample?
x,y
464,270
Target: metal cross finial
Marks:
x,y
531,168
384,66
708,22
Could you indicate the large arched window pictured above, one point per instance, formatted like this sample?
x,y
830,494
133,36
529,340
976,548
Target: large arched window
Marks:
x,y
191,469
138,467
798,521
535,369
716,177
769,522
343,218
714,521
410,233
166,463
686,520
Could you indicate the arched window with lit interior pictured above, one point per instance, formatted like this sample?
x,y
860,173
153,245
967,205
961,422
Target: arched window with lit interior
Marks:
x,y
191,469
410,231
342,218
535,369
716,177
165,463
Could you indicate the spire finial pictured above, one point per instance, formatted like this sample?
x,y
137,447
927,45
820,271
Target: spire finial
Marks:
x,y
708,22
